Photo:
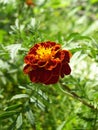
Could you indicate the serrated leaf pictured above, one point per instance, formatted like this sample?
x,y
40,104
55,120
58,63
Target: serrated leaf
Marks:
x,y
3,64
19,121
43,95
30,116
33,99
38,103
13,49
18,96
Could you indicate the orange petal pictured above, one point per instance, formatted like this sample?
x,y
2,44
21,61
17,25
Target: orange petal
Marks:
x,y
42,63
52,64
56,47
29,2
27,69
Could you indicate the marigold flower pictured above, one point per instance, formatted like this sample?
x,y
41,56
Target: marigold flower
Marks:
x,y
46,62
30,2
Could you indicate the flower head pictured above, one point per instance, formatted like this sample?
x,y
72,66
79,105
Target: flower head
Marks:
x,y
46,62
30,2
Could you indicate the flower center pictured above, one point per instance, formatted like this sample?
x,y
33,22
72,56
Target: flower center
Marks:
x,y
44,53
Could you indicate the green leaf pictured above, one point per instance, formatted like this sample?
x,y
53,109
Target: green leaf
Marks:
x,y
77,36
19,121
13,49
22,87
13,107
30,116
2,34
61,126
43,95
91,28
38,103
12,126
3,64
7,114
18,96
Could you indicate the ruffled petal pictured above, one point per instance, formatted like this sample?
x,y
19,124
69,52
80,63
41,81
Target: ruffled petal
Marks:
x,y
56,47
66,56
60,54
34,76
44,75
65,70
29,59
42,63
51,44
27,69
52,64
53,80
56,71
33,51
35,47
26,59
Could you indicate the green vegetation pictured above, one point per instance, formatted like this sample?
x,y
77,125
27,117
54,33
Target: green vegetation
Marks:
x,y
72,103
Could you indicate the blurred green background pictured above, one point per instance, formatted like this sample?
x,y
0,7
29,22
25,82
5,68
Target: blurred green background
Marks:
x,y
28,106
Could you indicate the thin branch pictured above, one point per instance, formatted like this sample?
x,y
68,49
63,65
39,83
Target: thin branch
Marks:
x,y
68,91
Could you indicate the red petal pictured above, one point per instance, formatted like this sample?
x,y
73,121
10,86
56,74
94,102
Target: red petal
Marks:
x,y
56,71
51,43
60,54
30,59
56,47
45,44
26,59
67,56
44,75
34,76
40,75
33,50
53,80
65,70
36,46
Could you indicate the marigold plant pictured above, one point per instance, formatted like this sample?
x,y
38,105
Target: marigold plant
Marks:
x,y
46,62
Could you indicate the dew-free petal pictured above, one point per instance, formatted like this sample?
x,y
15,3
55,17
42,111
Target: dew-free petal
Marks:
x,y
46,62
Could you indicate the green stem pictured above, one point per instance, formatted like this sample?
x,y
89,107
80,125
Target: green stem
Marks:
x,y
69,92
